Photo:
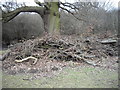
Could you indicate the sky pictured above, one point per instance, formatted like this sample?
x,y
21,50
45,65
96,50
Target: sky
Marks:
x,y
32,3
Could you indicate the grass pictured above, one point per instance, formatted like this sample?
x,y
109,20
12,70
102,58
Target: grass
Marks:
x,y
83,77
0,79
3,51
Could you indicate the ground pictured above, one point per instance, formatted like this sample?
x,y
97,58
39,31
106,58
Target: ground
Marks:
x,y
77,77
72,72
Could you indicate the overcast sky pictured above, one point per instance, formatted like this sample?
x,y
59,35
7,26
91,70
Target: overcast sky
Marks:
x,y
31,2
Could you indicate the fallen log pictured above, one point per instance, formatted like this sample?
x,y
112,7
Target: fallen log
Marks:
x,y
108,41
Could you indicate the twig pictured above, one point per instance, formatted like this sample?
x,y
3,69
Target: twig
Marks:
x,y
78,57
80,19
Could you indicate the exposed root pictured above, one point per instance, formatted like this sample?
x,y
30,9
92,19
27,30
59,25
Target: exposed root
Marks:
x,y
28,58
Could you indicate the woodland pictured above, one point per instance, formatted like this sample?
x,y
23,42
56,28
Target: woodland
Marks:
x,y
59,44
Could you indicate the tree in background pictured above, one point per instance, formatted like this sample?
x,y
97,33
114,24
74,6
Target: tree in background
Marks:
x,y
99,17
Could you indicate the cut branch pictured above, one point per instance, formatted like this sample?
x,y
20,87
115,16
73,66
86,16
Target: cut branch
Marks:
x,y
28,58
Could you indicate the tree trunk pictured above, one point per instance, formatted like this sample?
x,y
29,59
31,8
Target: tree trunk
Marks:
x,y
51,18
49,13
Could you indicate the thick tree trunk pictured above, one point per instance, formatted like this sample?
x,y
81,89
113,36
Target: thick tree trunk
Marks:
x,y
49,13
51,18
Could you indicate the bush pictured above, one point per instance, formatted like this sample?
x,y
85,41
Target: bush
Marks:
x,y
24,26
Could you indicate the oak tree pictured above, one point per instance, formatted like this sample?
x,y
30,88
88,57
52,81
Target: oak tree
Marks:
x,y
49,12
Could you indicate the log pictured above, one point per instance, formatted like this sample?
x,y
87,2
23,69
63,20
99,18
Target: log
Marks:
x,y
108,41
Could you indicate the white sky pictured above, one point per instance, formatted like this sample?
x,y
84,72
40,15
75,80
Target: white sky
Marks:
x,y
32,3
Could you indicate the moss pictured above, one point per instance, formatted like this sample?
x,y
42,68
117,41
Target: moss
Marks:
x,y
3,51
54,25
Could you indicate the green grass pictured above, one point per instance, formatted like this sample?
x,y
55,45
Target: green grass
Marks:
x,y
84,77
3,51
0,79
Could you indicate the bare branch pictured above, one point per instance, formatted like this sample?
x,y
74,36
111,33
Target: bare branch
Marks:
x,y
72,6
38,2
80,19
12,5
10,15
45,4
94,4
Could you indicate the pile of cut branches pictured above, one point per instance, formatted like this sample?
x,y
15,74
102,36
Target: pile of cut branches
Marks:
x,y
59,48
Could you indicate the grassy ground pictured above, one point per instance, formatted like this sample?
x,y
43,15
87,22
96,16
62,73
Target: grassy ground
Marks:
x,y
0,78
3,51
79,77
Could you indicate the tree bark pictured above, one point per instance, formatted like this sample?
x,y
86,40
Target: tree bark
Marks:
x,y
52,18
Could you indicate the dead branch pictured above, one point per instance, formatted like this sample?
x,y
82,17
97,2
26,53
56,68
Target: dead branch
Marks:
x,y
72,6
10,15
74,57
28,58
83,59
80,19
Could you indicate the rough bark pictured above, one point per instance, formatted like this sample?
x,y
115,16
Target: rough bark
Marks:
x,y
54,22
52,18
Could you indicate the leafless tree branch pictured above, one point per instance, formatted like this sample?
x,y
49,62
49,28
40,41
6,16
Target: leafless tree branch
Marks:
x,y
80,19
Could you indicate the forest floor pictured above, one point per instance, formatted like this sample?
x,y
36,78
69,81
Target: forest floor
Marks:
x,y
62,62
